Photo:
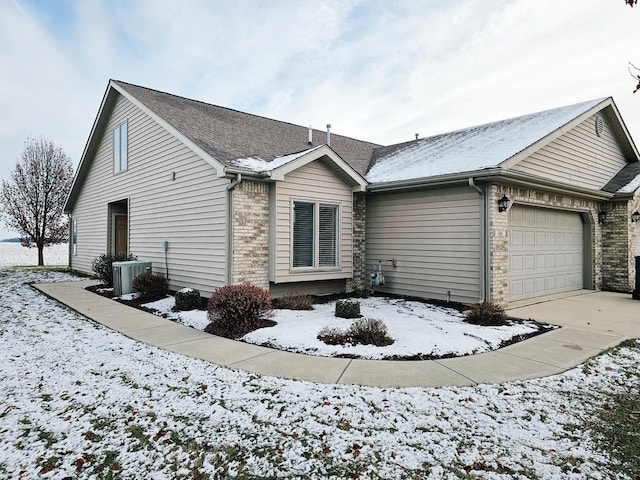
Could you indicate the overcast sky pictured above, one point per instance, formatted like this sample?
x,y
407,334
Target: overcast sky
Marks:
x,y
376,70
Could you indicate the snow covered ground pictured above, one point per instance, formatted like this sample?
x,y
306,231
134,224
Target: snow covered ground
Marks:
x,y
80,401
15,254
418,329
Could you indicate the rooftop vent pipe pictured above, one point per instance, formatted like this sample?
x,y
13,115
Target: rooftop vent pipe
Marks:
x,y
329,134
310,135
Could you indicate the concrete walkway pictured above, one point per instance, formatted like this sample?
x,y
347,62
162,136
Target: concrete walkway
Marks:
x,y
592,322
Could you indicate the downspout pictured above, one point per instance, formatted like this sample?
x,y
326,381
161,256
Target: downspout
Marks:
x,y
484,242
229,222
70,252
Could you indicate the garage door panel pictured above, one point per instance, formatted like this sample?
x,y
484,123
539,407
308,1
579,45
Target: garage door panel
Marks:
x,y
545,251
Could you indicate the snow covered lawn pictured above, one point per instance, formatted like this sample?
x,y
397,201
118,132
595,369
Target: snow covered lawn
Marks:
x,y
12,254
80,401
420,330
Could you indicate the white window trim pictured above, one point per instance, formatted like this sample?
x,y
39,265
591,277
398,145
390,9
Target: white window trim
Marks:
x,y
316,237
74,236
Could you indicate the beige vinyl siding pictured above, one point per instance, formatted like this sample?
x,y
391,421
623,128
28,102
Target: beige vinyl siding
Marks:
x,y
313,182
435,238
579,157
188,212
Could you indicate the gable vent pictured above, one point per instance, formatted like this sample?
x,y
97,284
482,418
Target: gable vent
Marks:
x,y
599,126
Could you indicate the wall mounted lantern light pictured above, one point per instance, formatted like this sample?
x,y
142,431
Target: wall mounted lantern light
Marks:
x,y
503,203
635,216
602,216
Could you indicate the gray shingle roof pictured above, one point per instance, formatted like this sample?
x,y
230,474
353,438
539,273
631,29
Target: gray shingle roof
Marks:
x,y
228,134
623,177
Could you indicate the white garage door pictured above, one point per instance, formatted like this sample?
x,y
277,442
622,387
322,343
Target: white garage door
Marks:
x,y
546,252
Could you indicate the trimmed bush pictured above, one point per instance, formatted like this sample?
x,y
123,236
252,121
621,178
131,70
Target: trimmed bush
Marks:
x,y
348,309
103,266
370,331
364,331
187,299
296,301
150,286
236,310
486,314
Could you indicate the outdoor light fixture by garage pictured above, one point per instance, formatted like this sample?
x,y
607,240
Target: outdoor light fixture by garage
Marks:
x,y
635,216
602,216
503,203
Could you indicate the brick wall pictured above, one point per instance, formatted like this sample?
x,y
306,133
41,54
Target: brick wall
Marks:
x,y
498,224
250,224
360,280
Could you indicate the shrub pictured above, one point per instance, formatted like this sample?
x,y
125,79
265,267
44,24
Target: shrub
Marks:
x,y
236,310
370,331
364,331
296,301
348,309
150,286
187,299
486,314
103,266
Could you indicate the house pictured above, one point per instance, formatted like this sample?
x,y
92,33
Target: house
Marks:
x,y
519,208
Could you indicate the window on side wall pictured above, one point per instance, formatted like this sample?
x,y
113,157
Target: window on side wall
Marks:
x,y
120,148
74,236
315,235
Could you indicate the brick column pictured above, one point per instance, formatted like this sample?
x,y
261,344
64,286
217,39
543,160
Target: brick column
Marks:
x,y
250,224
359,281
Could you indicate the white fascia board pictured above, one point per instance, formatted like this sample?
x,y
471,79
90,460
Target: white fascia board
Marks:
x,y
547,139
359,182
220,169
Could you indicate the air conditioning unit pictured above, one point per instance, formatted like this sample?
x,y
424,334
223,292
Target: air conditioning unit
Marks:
x,y
125,272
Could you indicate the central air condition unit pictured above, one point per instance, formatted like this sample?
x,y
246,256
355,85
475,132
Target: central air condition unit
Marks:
x,y
124,273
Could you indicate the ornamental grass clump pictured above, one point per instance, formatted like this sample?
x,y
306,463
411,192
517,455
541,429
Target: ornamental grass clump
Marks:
x,y
486,314
348,309
187,299
236,310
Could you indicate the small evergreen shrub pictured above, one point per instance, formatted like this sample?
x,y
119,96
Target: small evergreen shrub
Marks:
x,y
364,331
103,266
296,301
236,310
150,286
348,309
187,299
486,314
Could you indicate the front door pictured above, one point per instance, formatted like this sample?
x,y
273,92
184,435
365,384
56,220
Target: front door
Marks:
x,y
122,234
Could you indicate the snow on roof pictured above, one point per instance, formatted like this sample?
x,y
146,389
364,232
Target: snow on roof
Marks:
x,y
470,149
631,187
257,164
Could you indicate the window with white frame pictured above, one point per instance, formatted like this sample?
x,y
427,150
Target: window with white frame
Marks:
x,y
120,148
74,236
315,235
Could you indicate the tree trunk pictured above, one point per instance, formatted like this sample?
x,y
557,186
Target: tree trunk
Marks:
x,y
40,255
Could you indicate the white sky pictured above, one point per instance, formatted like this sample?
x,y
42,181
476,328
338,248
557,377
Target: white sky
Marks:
x,y
376,70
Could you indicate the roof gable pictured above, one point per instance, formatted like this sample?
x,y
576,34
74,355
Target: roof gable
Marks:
x,y
227,135
495,145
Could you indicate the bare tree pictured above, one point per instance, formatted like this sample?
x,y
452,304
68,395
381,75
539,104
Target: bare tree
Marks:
x,y
33,198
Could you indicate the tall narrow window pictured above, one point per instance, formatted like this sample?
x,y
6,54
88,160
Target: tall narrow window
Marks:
x,y
74,236
120,148
303,226
328,236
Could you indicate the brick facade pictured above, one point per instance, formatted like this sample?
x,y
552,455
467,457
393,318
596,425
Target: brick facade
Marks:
x,y
499,242
360,280
250,225
619,235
